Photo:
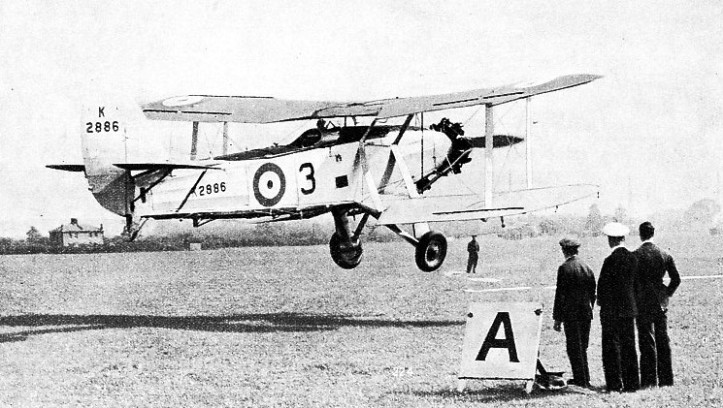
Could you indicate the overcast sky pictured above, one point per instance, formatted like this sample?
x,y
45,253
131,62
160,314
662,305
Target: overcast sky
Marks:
x,y
649,132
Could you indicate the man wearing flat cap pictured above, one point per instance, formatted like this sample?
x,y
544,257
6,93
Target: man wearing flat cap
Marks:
x,y
574,300
618,309
652,299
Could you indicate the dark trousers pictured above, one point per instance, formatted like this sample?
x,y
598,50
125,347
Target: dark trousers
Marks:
x,y
655,360
472,262
577,336
619,355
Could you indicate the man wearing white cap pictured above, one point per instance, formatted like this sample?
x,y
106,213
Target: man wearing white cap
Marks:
x,y
616,297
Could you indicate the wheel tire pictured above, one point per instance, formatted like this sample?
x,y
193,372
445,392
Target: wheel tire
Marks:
x,y
346,257
431,251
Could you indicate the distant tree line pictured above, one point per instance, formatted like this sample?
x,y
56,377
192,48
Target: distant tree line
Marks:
x,y
702,215
263,234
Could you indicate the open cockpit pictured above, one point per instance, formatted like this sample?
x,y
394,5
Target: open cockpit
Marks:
x,y
317,138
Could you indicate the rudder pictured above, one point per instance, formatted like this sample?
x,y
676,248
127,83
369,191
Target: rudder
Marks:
x,y
104,135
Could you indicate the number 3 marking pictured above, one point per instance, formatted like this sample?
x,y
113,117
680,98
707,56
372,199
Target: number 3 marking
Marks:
x,y
310,177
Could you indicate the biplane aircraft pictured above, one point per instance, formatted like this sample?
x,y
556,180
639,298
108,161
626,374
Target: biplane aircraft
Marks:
x,y
375,170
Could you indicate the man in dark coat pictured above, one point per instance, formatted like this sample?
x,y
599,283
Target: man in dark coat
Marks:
x,y
473,249
652,298
574,300
618,309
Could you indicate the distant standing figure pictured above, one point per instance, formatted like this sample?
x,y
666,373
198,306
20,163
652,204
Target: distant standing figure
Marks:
x,y
473,249
618,309
574,301
656,366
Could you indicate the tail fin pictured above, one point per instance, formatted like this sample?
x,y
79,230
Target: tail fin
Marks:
x,y
105,130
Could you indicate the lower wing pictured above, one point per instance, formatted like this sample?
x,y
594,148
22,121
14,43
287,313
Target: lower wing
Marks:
x,y
471,207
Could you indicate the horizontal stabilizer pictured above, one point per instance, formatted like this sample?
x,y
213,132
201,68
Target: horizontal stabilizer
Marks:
x,y
67,167
163,166
471,207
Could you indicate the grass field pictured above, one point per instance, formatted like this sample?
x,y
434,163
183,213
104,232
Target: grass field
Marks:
x,y
285,327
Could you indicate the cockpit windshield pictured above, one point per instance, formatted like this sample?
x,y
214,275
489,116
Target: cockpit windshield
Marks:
x,y
340,135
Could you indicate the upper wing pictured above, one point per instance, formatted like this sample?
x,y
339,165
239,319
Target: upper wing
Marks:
x,y
243,109
250,109
488,96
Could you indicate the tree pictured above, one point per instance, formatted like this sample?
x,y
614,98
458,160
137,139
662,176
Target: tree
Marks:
x,y
33,235
594,222
267,233
620,214
550,227
701,213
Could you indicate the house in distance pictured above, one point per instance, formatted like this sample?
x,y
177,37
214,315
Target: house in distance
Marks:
x,y
76,234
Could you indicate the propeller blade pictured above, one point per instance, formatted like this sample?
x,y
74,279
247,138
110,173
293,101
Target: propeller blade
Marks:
x,y
499,141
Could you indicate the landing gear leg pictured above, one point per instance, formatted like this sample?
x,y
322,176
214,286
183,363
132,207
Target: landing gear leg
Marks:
x,y
430,249
345,245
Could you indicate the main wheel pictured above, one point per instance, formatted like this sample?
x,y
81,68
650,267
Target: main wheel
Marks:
x,y
348,256
431,251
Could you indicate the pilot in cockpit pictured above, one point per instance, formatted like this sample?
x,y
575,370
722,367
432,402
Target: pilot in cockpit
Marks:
x,y
324,126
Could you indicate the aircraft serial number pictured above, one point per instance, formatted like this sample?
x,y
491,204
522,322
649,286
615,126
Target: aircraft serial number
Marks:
x,y
100,127
214,188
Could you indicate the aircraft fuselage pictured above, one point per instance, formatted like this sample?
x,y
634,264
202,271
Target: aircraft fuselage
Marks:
x,y
304,178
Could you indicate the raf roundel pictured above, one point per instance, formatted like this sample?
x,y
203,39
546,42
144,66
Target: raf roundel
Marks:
x,y
269,184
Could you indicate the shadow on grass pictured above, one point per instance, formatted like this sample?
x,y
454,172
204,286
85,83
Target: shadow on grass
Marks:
x,y
34,324
500,393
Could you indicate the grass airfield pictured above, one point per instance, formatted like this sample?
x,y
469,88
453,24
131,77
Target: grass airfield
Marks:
x,y
282,327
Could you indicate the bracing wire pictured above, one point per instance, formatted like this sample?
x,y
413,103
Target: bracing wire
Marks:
x,y
510,149
208,143
499,119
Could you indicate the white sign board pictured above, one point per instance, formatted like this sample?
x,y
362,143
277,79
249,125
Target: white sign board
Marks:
x,y
501,341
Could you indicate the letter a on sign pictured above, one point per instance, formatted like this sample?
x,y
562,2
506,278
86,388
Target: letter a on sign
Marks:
x,y
506,343
501,341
